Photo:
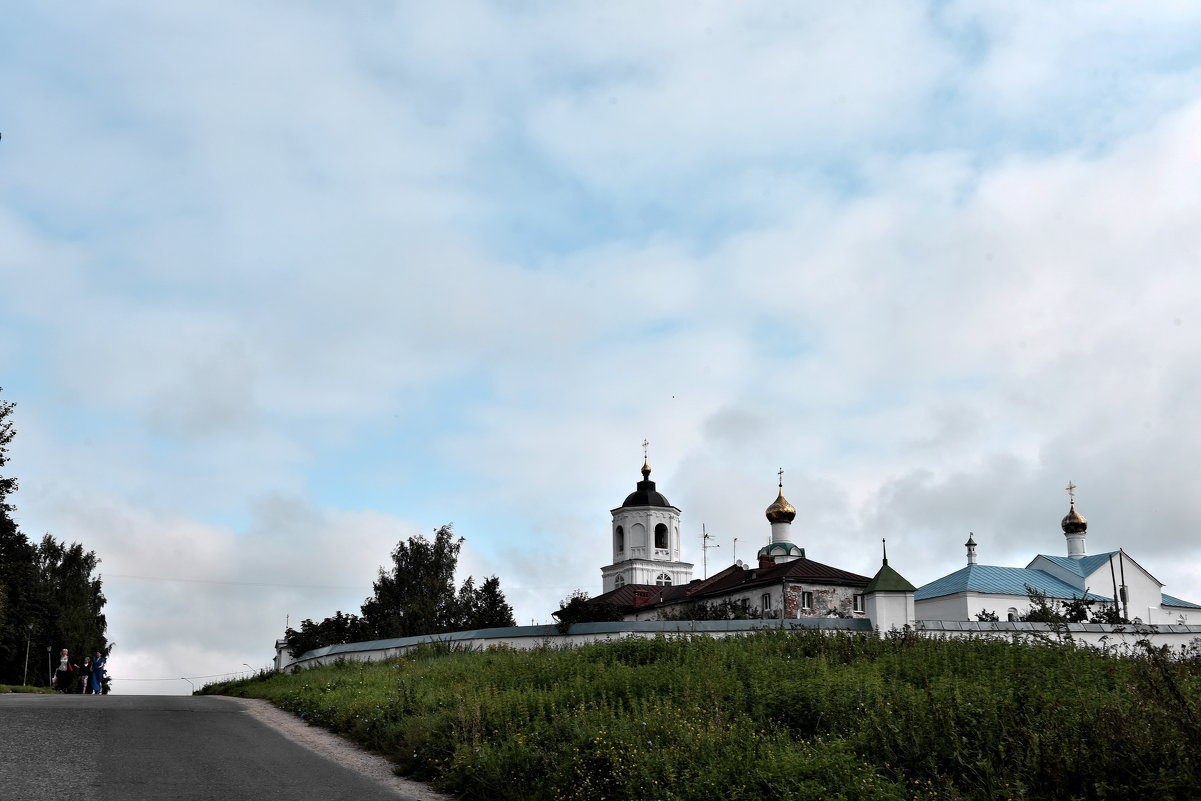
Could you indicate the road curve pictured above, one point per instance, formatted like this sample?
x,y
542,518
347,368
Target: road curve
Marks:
x,y
158,747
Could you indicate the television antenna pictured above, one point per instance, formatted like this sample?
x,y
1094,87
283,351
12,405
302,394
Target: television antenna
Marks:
x,y
705,546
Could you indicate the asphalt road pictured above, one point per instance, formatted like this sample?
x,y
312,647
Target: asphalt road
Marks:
x,y
157,747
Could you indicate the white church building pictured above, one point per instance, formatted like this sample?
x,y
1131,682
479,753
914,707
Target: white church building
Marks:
x,y
648,580
1109,578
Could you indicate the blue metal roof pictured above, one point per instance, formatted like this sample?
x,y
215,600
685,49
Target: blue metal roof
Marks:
x,y
1001,581
1168,600
1082,567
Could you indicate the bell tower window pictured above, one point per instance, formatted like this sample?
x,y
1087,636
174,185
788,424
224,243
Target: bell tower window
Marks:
x,y
663,580
620,539
661,537
620,581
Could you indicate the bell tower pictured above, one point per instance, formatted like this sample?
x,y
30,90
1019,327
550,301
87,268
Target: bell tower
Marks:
x,y
646,539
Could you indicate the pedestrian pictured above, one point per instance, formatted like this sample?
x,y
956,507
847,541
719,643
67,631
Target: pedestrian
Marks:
x,y
85,675
64,674
97,678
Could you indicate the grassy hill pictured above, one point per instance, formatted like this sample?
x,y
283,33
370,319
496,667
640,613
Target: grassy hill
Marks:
x,y
776,715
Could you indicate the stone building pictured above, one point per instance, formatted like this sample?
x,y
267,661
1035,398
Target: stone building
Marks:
x,y
648,581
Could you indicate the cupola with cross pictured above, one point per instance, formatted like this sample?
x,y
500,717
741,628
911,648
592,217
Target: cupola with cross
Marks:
x,y
1075,526
780,514
646,538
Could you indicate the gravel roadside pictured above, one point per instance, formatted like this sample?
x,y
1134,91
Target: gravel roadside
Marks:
x,y
345,753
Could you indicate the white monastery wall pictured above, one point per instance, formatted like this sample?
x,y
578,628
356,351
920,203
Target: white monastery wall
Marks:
x,y
1122,639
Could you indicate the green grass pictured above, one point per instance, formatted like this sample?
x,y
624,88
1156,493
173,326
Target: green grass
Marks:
x,y
780,715
17,688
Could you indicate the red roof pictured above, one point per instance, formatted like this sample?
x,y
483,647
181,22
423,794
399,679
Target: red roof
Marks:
x,y
729,580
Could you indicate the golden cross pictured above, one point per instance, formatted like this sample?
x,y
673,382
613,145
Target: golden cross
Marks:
x,y
780,473
1071,488
644,453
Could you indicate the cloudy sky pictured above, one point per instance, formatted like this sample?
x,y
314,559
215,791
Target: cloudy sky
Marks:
x,y
282,283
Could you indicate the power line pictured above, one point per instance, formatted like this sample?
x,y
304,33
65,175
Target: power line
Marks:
x,y
233,583
183,678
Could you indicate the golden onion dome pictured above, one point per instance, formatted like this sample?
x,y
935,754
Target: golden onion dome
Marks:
x,y
781,511
1074,522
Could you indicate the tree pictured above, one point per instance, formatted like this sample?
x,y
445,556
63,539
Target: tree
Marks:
x,y
491,610
579,608
75,599
716,610
22,597
7,432
484,607
417,596
48,593
25,602
1073,610
334,630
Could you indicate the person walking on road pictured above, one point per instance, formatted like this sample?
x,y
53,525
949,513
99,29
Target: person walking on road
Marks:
x,y
64,674
85,676
96,680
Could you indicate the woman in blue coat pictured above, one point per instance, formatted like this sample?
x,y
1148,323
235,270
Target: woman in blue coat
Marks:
x,y
96,680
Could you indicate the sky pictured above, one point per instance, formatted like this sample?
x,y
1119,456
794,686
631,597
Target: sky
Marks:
x,y
284,283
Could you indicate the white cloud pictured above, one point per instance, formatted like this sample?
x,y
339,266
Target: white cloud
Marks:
x,y
283,286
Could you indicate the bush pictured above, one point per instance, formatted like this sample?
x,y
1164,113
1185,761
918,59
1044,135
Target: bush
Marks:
x,y
776,714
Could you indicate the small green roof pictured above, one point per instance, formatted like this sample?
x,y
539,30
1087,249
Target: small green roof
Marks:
x,y
888,580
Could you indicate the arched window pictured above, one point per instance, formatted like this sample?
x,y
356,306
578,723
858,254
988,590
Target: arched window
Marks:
x,y
620,581
620,538
661,536
1013,615
663,580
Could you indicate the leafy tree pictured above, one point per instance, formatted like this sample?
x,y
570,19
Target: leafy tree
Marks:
x,y
715,610
1042,609
49,594
22,597
24,615
416,596
580,608
7,432
986,616
1073,610
1108,613
334,630
482,607
75,599
490,609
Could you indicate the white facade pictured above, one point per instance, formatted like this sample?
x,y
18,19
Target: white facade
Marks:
x,y
646,541
1109,579
890,610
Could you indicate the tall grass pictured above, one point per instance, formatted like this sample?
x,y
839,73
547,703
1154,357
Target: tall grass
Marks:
x,y
787,715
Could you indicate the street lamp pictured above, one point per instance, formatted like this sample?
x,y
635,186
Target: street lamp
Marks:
x,y
190,684
49,668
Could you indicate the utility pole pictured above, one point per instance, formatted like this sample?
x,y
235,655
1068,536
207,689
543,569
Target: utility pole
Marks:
x,y
28,637
705,546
